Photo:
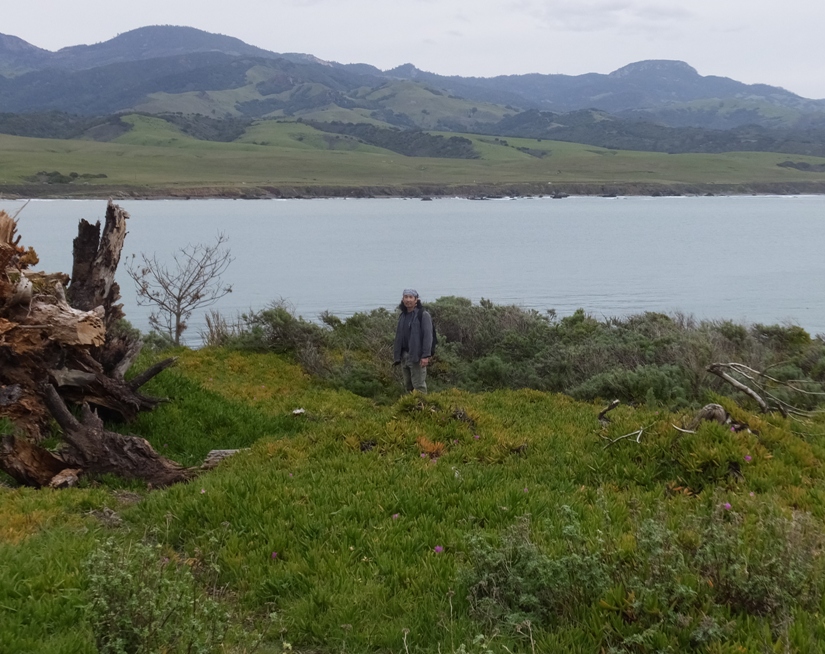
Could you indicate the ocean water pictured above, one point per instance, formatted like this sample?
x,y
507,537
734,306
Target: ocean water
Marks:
x,y
744,258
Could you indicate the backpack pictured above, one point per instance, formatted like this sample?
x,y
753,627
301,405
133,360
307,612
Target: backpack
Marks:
x,y
435,341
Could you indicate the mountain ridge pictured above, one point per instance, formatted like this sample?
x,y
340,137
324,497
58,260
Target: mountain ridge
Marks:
x,y
167,69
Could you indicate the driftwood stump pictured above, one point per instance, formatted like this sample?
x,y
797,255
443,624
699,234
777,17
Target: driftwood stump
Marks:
x,y
60,344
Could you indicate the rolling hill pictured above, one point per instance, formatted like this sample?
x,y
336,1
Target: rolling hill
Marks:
x,y
178,60
204,87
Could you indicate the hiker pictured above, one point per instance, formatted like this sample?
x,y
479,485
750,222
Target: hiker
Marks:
x,y
413,341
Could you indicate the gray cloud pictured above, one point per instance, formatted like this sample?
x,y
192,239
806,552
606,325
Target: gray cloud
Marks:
x,y
600,15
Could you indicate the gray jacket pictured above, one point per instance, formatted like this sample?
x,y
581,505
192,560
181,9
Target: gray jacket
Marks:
x,y
421,335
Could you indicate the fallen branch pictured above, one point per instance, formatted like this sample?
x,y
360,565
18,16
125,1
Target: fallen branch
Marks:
x,y
684,431
216,456
603,413
637,434
717,369
740,367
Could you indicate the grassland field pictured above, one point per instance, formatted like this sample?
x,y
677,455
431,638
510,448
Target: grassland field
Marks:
x,y
155,158
359,527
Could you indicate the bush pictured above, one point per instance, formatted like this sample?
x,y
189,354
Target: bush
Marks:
x,y
647,358
515,582
142,602
765,566
277,329
657,588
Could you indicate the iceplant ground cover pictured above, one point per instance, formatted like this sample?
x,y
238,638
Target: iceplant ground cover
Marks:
x,y
489,522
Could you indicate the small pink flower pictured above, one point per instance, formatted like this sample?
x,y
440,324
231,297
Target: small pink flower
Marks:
x,y
290,474
476,436
748,458
203,490
733,428
423,455
395,516
274,555
438,549
455,440
525,490
727,506
752,494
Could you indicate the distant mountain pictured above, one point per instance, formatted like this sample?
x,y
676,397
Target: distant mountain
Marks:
x,y
18,56
168,69
144,43
123,86
658,89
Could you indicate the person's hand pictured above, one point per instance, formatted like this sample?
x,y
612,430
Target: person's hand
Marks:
x,y
425,361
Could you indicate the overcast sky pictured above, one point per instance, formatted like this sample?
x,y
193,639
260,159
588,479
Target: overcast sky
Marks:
x,y
778,42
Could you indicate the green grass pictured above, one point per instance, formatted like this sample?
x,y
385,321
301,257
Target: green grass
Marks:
x,y
355,498
155,155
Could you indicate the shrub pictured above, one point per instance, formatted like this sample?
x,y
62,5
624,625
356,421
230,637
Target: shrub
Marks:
x,y
277,329
649,357
764,566
655,587
515,582
142,602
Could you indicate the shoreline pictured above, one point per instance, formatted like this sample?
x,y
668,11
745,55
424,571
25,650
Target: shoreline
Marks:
x,y
420,191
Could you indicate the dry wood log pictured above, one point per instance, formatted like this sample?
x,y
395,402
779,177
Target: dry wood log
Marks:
x,y
93,449
710,413
215,457
28,464
717,369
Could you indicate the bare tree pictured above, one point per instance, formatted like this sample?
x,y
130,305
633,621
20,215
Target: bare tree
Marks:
x,y
192,283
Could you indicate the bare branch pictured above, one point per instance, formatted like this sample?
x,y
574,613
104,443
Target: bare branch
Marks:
x,y
684,431
194,282
637,434
717,369
739,367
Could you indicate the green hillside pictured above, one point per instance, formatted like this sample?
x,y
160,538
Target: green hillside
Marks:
x,y
155,157
496,522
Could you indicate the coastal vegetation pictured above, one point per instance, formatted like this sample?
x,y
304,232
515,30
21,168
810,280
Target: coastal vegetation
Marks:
x,y
488,516
651,358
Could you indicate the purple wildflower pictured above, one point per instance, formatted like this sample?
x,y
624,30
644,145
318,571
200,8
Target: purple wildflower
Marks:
x,y
727,506
752,494
438,549
748,458
395,516
203,490
525,490
423,455
274,555
476,436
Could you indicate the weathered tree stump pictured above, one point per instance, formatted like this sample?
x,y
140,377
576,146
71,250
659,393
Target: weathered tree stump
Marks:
x,y
60,343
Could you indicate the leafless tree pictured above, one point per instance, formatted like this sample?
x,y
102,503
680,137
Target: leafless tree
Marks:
x,y
193,282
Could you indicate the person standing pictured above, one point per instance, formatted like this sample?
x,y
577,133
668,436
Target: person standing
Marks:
x,y
413,346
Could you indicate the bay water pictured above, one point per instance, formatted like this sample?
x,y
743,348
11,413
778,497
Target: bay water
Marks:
x,y
744,258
